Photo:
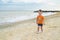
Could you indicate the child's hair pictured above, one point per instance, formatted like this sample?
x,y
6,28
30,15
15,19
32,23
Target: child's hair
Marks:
x,y
40,10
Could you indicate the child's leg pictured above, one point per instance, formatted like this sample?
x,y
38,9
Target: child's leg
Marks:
x,y
42,28
39,28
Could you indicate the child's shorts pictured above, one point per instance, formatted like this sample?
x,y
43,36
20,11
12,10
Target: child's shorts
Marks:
x,y
40,25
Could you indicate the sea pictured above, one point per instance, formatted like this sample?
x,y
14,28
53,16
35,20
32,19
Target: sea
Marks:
x,y
11,16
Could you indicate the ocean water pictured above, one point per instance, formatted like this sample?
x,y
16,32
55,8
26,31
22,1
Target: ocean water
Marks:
x,y
10,16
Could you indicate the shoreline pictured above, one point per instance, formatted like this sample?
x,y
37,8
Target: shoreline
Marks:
x,y
19,22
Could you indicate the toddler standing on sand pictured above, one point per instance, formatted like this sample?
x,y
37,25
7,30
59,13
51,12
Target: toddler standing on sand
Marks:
x,y
40,21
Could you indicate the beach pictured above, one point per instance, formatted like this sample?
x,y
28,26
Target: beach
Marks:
x,y
27,30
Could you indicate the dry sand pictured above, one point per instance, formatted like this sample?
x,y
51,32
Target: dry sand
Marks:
x,y
27,30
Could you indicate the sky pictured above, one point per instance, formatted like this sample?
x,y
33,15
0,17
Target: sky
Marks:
x,y
29,4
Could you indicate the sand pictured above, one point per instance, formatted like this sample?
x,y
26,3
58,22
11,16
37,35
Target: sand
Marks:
x,y
27,30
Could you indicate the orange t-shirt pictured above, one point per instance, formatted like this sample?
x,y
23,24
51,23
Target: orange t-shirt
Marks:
x,y
40,19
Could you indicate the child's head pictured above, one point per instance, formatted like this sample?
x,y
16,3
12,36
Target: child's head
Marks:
x,y
40,12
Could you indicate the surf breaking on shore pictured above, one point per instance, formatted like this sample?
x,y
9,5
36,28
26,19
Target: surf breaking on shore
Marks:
x,y
7,17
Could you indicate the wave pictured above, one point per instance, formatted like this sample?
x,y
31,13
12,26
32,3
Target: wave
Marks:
x,y
21,18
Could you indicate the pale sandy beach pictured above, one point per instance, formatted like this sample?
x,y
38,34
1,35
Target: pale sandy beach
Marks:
x,y
27,30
